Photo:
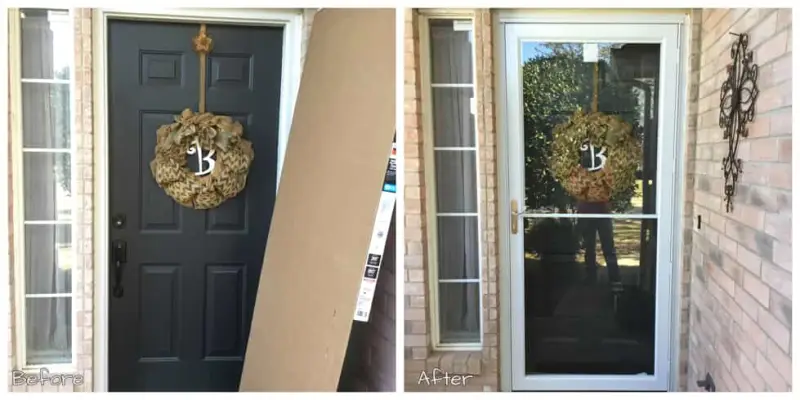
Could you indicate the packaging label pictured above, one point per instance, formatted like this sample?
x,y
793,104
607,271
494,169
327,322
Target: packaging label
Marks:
x,y
380,230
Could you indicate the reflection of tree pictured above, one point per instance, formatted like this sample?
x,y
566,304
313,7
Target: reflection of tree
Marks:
x,y
61,102
555,83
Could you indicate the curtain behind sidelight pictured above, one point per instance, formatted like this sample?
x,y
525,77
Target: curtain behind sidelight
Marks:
x,y
46,125
456,163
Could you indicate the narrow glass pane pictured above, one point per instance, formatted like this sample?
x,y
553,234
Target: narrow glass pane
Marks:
x,y
47,39
48,186
451,51
590,295
49,259
457,247
618,80
45,115
456,181
453,122
49,331
459,312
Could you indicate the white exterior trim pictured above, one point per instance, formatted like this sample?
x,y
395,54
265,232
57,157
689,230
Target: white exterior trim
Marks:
x,y
676,289
503,206
597,16
18,197
5,222
290,19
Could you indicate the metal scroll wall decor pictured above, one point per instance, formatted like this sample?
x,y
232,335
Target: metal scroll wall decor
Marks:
x,y
737,108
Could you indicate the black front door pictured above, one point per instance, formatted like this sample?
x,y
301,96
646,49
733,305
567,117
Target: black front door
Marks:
x,y
190,278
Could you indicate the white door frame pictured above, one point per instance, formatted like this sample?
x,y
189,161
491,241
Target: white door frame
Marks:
x,y
292,22
672,34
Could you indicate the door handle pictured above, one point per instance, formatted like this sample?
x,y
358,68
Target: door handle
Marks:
x,y
119,256
514,217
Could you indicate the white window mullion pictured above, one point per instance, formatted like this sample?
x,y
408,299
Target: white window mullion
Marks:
x,y
455,214
453,85
50,81
465,280
48,296
39,150
455,149
590,216
49,222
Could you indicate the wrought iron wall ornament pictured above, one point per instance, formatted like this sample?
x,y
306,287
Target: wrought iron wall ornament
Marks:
x,y
737,108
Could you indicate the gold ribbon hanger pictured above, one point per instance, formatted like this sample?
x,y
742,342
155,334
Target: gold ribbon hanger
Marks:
x,y
596,86
202,46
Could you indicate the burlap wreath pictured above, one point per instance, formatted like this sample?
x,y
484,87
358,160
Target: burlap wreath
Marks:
x,y
623,154
232,163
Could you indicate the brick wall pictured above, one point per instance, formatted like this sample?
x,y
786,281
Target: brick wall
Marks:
x,y
83,272
415,280
740,311
484,71
84,192
690,141
370,364
481,365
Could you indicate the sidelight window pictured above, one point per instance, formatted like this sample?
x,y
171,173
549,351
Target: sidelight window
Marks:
x,y
452,183
43,206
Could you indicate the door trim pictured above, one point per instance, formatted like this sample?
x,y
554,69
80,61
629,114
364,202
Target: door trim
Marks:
x,y
683,19
292,22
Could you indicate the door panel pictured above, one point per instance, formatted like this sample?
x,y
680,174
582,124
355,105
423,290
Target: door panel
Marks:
x,y
191,276
590,279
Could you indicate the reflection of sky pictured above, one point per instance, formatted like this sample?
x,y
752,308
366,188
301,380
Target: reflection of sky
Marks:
x,y
539,49
62,39
534,49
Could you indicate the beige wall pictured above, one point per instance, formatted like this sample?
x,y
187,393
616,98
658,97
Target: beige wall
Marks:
x,y
84,200
736,270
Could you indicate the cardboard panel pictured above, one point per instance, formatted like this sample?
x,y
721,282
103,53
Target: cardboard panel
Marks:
x,y
344,121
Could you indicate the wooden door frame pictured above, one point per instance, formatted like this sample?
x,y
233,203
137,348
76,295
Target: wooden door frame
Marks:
x,y
292,22
544,16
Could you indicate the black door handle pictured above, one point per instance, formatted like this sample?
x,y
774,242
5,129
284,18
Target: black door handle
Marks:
x,y
119,256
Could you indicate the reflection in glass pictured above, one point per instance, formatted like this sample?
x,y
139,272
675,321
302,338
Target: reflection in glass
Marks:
x,y
48,259
451,52
453,124
456,190
46,117
557,80
457,247
49,333
459,317
48,186
47,39
589,303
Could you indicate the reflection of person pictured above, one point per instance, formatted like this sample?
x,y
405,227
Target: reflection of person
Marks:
x,y
592,227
